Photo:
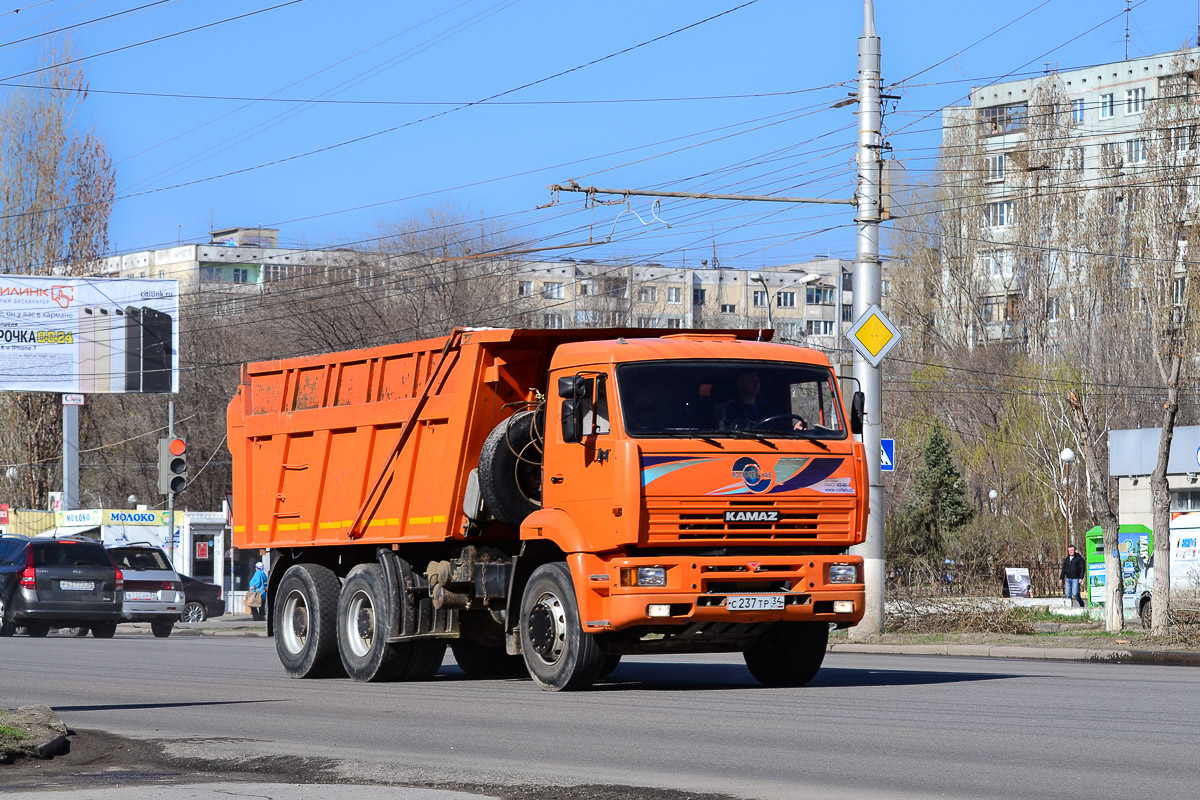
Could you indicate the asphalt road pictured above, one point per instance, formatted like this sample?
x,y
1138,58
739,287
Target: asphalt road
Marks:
x,y
868,726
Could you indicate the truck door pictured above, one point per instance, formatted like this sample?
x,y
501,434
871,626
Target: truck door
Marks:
x,y
579,463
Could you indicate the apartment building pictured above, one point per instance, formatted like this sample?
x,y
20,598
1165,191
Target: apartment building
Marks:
x,y
1096,130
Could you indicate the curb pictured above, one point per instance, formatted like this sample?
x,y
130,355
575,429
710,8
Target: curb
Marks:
x,y
1171,658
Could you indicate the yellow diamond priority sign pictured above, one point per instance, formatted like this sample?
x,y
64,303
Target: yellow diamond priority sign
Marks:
x,y
873,335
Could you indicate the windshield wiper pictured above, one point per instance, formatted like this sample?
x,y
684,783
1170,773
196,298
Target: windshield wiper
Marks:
x,y
757,435
688,434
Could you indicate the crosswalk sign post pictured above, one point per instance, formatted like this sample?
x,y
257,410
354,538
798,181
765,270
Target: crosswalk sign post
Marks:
x,y
887,455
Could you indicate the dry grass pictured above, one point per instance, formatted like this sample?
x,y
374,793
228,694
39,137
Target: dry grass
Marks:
x,y
956,615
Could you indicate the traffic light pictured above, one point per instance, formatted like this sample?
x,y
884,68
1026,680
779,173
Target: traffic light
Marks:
x,y
172,466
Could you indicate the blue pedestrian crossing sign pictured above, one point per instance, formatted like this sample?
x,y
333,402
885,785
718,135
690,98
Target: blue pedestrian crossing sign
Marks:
x,y
887,455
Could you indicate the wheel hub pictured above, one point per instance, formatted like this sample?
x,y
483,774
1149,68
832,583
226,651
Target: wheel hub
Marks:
x,y
300,623
548,628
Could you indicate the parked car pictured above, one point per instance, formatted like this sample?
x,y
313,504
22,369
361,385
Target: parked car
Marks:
x,y
58,583
153,589
201,600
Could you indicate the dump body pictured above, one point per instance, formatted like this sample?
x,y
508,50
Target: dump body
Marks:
x,y
671,515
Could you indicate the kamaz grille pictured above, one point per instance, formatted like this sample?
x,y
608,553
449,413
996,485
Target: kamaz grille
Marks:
x,y
815,521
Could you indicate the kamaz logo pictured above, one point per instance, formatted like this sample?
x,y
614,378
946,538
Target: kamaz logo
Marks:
x,y
752,516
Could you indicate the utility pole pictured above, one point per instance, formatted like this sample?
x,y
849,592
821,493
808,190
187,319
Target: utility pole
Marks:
x,y
867,292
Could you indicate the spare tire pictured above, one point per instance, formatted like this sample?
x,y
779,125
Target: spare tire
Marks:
x,y
510,467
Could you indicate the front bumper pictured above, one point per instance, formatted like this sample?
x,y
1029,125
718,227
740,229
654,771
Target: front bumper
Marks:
x,y
698,589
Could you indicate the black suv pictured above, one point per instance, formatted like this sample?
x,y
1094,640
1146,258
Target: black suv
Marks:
x,y
60,583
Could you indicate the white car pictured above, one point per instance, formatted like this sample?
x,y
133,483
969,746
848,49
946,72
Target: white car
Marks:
x,y
153,589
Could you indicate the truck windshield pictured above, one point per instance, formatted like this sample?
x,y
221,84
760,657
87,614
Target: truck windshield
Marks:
x,y
729,398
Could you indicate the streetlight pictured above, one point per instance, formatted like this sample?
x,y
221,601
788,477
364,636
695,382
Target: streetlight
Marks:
x,y
767,291
1066,457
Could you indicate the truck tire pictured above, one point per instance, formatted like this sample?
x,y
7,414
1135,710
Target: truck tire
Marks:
x,y
161,628
104,630
611,662
424,659
306,622
559,655
510,468
789,654
362,628
486,661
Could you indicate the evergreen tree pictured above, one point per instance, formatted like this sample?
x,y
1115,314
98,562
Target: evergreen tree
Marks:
x,y
919,532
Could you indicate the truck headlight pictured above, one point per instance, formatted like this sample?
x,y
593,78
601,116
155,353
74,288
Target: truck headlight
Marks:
x,y
843,573
644,576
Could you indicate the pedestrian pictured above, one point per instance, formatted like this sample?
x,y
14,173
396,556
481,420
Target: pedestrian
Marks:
x,y
1071,575
258,584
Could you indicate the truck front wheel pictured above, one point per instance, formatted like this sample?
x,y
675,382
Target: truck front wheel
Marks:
x,y
789,654
559,655
306,622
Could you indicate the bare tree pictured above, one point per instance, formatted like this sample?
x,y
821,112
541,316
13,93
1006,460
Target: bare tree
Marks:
x,y
56,185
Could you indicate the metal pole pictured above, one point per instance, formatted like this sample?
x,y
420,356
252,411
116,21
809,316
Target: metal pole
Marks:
x,y
867,293
70,456
1067,507
171,495
767,295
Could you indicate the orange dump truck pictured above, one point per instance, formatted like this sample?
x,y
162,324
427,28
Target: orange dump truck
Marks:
x,y
551,500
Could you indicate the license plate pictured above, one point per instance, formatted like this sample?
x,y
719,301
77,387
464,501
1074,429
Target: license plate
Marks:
x,y
77,586
140,596
754,602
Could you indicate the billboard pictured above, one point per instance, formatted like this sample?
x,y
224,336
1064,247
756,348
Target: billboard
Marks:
x,y
89,335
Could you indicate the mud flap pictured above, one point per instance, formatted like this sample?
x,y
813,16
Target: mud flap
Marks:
x,y
411,614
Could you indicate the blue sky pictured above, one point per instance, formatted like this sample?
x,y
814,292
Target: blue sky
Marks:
x,y
769,73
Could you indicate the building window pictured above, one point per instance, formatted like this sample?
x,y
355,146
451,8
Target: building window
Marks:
x,y
525,289
847,312
674,296
241,275
999,214
820,327
1179,289
1135,151
1075,158
995,168
997,263
674,322
818,295
1135,100
614,287
588,287
647,322
647,294
728,308
698,296
553,321
1179,139
1077,111
1107,106
785,299
885,287
993,309
1003,119
1185,500
760,299
552,291
1052,309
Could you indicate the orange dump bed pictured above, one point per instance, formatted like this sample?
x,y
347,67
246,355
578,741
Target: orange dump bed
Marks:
x,y
376,445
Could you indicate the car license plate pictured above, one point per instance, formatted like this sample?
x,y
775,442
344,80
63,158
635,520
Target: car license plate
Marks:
x,y
140,596
754,602
77,586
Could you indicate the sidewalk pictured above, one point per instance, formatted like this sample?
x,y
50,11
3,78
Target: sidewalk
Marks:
x,y
225,625
1171,658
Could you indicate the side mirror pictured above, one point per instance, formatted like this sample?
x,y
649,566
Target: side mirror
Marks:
x,y
572,418
572,387
857,401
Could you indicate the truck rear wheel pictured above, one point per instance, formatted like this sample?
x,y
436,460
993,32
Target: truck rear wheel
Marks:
x,y
306,622
510,468
789,654
363,628
559,655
